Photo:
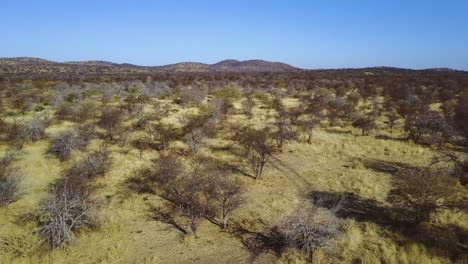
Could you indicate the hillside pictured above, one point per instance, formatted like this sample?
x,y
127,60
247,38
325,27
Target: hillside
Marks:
x,y
34,65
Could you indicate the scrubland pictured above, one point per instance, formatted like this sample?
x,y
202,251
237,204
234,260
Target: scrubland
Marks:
x,y
332,191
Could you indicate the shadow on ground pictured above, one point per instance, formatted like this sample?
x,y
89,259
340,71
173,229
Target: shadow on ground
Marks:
x,y
443,240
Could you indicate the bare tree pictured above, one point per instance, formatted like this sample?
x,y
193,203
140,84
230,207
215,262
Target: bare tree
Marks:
x,y
34,129
261,148
64,143
247,106
309,125
188,195
96,163
167,168
421,193
163,134
284,133
9,180
110,121
62,215
294,114
229,193
392,118
461,114
364,122
195,139
310,228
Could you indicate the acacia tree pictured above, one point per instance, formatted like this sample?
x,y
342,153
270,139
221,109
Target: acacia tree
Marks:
x,y
284,133
309,125
259,145
421,193
310,228
461,114
428,127
392,118
163,134
64,143
63,214
9,180
364,122
195,139
229,194
247,106
110,121
190,194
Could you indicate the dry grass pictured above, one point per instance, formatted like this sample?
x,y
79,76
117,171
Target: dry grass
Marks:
x,y
333,162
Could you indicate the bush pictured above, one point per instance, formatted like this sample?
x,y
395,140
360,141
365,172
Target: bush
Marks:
x,y
97,163
310,228
63,214
195,139
34,129
64,143
110,121
421,193
9,181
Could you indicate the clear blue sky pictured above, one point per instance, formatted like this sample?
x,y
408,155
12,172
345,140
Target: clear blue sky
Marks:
x,y
308,34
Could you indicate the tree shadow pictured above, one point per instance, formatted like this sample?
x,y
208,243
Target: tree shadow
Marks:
x,y
139,185
165,216
443,240
391,167
387,137
234,169
338,130
268,241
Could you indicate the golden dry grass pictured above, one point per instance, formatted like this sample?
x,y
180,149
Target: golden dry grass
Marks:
x,y
333,162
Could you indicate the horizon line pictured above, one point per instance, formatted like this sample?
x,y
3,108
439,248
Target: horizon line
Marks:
x,y
255,59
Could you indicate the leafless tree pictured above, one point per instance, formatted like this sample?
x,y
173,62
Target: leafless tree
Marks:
x,y
195,139
9,180
110,121
284,133
421,193
310,228
62,215
34,129
64,143
247,106
163,134
364,122
188,195
309,125
85,132
294,114
461,114
94,164
392,118
229,193
167,168
261,148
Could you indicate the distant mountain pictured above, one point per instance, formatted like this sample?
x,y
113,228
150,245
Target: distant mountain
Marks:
x,y
229,66
222,66
25,65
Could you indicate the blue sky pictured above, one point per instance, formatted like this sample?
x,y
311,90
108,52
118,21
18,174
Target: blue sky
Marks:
x,y
308,34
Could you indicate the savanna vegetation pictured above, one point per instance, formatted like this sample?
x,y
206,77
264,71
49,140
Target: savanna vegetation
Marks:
x,y
117,165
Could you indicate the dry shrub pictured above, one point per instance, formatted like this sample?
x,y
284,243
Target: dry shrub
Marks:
x,y
310,228
421,193
63,214
34,129
9,180
19,243
195,139
110,120
64,143
96,163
